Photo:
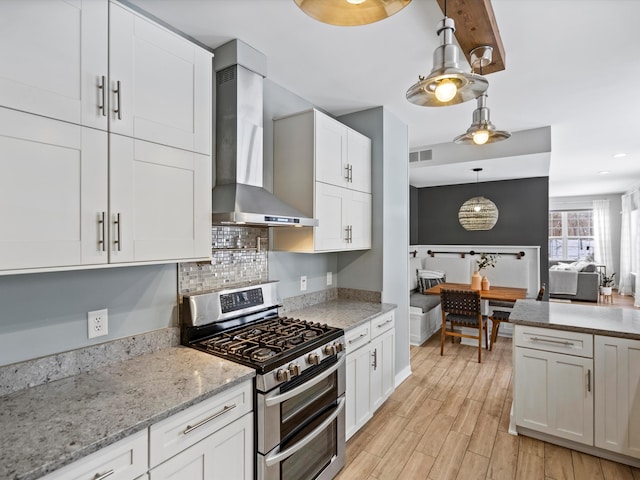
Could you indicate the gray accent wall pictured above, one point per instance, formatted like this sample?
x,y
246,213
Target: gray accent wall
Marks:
x,y
413,215
46,313
523,207
385,266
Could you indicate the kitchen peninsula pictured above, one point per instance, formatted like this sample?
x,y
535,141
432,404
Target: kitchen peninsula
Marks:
x,y
577,377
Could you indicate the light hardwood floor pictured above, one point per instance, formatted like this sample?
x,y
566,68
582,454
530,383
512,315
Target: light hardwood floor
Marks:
x,y
449,420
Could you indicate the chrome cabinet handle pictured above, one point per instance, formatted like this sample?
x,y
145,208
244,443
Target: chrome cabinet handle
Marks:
x,y
118,108
103,96
589,381
226,408
351,173
346,238
118,224
353,340
104,475
101,241
384,323
375,359
350,233
346,167
559,342
278,457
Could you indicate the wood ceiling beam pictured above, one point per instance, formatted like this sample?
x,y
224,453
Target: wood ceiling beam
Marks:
x,y
476,26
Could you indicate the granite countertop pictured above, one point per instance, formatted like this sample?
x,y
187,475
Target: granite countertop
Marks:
x,y
51,425
341,313
610,321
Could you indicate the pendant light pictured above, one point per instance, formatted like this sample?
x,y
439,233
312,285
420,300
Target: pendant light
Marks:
x,y
478,213
351,12
447,84
481,131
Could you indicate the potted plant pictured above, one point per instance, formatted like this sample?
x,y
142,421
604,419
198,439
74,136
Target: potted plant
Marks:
x,y
486,260
606,283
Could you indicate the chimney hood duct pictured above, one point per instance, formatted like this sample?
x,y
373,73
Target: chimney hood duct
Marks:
x,y
238,196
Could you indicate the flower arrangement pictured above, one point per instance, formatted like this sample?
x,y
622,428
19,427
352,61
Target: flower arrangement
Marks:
x,y
487,260
607,280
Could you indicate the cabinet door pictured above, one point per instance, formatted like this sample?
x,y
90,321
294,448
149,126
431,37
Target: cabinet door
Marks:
x,y
382,377
617,400
162,196
359,220
164,93
331,150
330,210
554,394
53,191
357,410
225,455
359,160
54,56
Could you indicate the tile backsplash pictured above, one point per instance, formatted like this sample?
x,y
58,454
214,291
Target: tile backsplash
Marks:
x,y
239,256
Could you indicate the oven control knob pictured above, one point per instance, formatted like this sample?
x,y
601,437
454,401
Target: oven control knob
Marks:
x,y
283,375
330,350
313,359
339,347
294,369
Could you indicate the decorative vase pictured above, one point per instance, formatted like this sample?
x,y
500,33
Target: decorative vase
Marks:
x,y
485,283
476,281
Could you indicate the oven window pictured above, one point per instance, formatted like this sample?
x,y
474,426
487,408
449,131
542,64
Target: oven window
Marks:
x,y
308,462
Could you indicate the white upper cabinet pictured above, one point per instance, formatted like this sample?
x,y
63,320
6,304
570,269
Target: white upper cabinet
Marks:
x,y
53,193
54,59
323,168
160,85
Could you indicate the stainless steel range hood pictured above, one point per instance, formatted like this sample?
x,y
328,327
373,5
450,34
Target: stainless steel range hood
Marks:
x,y
238,196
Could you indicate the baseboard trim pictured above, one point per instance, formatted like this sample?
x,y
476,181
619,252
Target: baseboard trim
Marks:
x,y
402,375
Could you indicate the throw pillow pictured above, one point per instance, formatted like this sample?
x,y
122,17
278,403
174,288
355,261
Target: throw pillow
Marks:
x,y
425,283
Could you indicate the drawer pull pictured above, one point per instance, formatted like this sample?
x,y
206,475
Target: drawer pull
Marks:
x,y
353,340
103,94
547,340
375,359
226,408
104,475
385,323
589,381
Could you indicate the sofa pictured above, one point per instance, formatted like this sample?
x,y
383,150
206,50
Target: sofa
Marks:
x,y
571,280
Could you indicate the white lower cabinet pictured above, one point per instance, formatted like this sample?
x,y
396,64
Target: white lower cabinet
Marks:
x,y
369,369
225,455
617,402
123,460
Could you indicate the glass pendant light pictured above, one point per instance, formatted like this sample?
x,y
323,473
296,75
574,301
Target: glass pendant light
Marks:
x,y
478,213
447,84
351,12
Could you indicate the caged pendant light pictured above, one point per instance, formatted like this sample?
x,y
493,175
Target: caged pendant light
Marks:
x,y
447,84
481,131
351,12
478,213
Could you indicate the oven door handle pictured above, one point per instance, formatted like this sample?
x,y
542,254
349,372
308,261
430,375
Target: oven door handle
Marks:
x,y
277,457
270,401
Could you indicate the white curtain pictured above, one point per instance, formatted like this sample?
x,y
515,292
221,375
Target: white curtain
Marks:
x,y
630,246
602,235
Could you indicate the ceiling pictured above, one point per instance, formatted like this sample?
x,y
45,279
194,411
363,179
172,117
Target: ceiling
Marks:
x,y
571,65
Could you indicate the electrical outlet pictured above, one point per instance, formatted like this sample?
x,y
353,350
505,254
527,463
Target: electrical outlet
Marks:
x,y
303,283
329,278
98,323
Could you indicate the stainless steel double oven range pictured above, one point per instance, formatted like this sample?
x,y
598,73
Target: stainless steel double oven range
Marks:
x,y
300,377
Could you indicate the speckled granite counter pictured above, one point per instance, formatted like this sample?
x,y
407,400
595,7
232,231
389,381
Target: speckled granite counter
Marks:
x,y
614,322
342,313
51,425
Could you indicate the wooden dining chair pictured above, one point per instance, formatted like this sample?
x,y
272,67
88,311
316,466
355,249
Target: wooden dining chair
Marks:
x,y
462,308
499,316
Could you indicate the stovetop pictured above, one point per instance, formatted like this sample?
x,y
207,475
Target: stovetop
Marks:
x,y
268,344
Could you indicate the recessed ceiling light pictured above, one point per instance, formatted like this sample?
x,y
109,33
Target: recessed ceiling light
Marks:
x,y
619,155
603,172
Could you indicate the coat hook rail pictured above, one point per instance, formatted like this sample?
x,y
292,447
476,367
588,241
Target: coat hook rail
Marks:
x,y
518,255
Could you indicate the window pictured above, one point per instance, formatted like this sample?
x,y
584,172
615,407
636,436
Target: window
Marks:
x,y
571,235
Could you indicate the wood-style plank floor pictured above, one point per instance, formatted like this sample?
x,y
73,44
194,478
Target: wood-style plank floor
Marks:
x,y
449,420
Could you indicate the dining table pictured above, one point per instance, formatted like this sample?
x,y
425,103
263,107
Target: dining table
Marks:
x,y
497,293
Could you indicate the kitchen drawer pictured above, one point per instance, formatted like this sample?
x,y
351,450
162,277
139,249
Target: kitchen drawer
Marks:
x,y
551,340
180,431
357,337
381,324
122,460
